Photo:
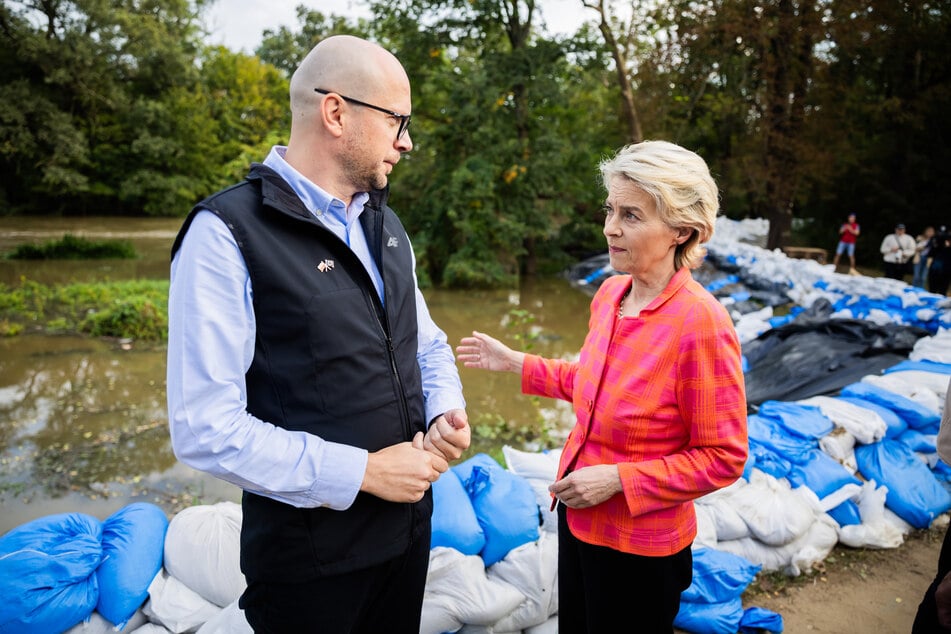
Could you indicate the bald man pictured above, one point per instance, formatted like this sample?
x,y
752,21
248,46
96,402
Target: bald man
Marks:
x,y
304,366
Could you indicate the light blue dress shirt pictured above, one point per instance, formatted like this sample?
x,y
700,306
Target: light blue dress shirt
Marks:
x,y
211,334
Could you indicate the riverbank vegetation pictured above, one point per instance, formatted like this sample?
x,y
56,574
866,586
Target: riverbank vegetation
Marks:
x,y
133,310
71,247
805,109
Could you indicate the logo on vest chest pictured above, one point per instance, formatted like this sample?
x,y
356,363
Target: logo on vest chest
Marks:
x,y
393,242
326,265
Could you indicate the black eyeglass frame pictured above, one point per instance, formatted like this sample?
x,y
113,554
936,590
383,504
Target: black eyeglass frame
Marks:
x,y
404,119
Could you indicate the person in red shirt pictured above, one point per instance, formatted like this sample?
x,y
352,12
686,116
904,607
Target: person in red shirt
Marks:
x,y
848,233
658,395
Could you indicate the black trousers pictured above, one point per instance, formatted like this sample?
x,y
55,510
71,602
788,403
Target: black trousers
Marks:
x,y
604,590
385,598
926,620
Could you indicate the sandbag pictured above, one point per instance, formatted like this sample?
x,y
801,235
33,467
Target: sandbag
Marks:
x,y
759,620
48,573
821,473
915,414
805,420
770,433
133,540
202,550
710,618
504,505
894,424
914,494
718,576
455,524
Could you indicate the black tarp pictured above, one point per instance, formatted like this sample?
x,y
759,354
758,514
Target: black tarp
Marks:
x,y
814,355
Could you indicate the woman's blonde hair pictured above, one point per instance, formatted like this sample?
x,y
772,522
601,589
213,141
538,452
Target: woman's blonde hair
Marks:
x,y
679,181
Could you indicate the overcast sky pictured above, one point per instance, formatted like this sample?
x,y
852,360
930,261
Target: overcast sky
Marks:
x,y
238,24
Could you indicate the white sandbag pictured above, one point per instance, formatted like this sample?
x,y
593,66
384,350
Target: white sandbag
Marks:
x,y
727,522
839,444
706,527
540,469
548,627
230,620
917,393
485,629
792,559
175,606
936,348
150,628
865,425
775,513
458,592
98,624
533,570
529,464
202,550
937,382
874,531
840,495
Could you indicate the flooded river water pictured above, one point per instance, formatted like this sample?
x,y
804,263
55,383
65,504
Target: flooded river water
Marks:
x,y
83,423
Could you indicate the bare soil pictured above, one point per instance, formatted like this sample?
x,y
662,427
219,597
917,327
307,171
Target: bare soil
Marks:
x,y
855,590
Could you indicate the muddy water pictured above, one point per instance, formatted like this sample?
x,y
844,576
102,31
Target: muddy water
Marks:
x,y
83,423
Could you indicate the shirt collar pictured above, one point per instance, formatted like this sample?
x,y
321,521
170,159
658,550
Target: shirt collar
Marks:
x,y
315,199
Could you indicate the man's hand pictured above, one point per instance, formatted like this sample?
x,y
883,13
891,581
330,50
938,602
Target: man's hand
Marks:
x,y
403,472
449,435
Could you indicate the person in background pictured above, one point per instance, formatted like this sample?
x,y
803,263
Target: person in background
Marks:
x,y
898,248
848,233
934,611
922,251
939,271
303,364
658,394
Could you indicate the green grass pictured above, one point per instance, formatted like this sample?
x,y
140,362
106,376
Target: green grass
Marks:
x,y
136,309
71,247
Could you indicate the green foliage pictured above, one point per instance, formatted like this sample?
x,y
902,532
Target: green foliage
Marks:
x,y
130,309
71,247
802,109
135,317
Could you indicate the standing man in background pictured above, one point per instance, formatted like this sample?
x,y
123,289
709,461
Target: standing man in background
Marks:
x,y
898,249
848,233
303,364
922,255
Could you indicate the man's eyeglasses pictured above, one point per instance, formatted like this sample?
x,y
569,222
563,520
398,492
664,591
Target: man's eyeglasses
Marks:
x,y
403,118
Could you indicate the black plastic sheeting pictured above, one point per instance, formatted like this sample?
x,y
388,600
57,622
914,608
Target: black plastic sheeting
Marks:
x,y
814,355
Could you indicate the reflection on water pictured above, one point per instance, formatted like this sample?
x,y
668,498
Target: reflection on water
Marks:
x,y
83,424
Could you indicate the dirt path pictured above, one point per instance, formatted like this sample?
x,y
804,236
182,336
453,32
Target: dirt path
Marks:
x,y
853,591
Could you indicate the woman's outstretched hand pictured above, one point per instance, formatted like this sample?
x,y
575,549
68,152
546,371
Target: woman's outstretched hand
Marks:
x,y
487,353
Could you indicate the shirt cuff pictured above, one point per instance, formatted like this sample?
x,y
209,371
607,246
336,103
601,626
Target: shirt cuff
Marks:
x,y
341,474
438,405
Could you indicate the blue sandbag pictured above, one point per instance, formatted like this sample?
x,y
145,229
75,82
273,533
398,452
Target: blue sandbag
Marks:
x,y
846,514
455,524
821,473
806,421
924,366
718,576
771,433
710,618
758,620
47,573
894,424
915,414
133,546
768,461
504,504
919,442
914,493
